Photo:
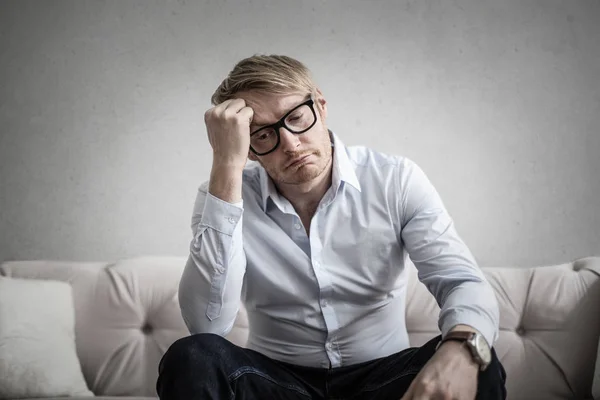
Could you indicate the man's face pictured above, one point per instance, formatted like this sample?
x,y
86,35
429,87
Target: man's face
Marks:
x,y
299,158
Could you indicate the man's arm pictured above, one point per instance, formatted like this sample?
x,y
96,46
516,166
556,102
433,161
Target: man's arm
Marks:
x,y
445,264
211,284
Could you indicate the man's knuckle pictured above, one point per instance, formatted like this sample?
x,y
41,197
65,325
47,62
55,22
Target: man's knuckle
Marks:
x,y
427,386
231,114
241,119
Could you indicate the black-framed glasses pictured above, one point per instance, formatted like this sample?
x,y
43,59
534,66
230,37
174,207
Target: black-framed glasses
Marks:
x,y
298,120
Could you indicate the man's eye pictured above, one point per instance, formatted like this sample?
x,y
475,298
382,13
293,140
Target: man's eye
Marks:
x,y
264,136
295,117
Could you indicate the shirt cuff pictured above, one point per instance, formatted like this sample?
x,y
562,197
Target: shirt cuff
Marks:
x,y
475,322
221,215
483,316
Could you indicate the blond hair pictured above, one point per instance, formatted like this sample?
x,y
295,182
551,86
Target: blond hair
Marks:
x,y
275,74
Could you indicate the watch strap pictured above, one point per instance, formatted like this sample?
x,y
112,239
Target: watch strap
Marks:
x,y
465,337
461,336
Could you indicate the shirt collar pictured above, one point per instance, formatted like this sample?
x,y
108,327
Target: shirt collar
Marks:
x,y
343,171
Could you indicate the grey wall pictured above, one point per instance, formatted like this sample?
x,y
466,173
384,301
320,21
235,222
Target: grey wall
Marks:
x,y
103,145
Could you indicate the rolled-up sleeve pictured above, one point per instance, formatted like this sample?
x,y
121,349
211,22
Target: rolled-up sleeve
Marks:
x,y
444,263
211,283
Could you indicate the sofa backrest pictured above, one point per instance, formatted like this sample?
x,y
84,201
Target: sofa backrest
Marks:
x,y
549,327
127,315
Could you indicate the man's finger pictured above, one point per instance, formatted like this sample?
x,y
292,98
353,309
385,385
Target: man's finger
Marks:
x,y
424,392
423,397
223,105
235,105
409,393
247,113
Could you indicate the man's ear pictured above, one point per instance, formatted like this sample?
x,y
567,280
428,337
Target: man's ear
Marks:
x,y
252,156
321,104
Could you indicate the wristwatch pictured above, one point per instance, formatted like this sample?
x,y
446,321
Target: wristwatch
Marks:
x,y
476,343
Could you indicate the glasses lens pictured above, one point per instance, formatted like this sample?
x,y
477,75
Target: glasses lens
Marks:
x,y
300,119
264,140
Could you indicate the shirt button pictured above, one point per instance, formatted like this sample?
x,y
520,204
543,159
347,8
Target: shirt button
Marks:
x,y
231,220
220,269
328,345
297,226
323,303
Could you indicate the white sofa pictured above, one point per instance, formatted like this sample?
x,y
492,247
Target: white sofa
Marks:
x,y
127,315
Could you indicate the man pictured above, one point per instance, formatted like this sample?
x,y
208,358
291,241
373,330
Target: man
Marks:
x,y
313,239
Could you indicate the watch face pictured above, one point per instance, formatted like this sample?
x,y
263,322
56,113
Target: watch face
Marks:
x,y
483,349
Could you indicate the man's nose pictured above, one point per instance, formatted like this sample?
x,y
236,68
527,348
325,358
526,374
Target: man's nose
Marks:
x,y
288,140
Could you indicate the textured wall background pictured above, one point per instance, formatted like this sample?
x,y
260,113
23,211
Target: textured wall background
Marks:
x,y
103,145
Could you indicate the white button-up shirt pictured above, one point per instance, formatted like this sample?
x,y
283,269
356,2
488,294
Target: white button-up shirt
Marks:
x,y
335,297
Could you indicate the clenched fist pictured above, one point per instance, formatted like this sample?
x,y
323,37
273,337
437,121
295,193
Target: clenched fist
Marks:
x,y
228,128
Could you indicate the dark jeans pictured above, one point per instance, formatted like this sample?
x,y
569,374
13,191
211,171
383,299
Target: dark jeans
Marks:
x,y
208,367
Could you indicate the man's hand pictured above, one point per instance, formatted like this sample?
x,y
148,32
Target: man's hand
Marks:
x,y
228,128
450,374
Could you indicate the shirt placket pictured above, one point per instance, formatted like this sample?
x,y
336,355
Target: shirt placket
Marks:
x,y
324,280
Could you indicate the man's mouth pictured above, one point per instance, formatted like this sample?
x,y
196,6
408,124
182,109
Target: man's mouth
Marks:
x,y
297,161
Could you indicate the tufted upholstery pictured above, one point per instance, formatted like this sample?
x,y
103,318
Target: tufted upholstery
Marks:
x,y
549,327
127,315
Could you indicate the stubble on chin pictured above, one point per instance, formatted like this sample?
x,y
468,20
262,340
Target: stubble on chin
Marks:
x,y
307,173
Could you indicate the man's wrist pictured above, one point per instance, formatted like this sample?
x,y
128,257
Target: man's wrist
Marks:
x,y
461,350
472,341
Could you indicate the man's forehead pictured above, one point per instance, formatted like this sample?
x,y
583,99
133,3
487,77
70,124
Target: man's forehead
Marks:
x,y
269,108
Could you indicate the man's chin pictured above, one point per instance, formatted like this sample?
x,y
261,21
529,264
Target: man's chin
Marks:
x,y
304,174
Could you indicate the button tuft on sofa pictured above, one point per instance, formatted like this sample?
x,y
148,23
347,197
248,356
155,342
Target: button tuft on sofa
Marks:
x,y
147,329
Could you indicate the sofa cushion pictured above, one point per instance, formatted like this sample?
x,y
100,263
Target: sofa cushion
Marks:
x,y
37,340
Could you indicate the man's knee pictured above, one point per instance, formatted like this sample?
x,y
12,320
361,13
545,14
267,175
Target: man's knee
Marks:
x,y
492,381
179,375
201,348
